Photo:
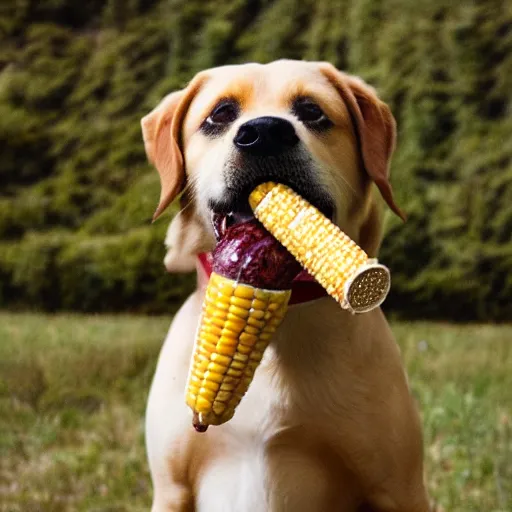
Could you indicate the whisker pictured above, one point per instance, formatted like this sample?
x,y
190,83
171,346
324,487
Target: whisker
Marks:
x,y
349,186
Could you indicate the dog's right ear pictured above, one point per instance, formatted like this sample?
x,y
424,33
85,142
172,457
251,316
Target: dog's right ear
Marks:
x,y
161,131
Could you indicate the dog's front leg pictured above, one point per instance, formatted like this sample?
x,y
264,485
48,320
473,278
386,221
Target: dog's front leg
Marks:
x,y
175,498
169,431
304,477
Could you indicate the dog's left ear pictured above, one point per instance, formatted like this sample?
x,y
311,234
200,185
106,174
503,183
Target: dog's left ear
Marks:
x,y
375,127
161,131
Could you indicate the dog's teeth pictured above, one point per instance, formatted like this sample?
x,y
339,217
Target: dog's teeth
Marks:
x,y
219,225
221,221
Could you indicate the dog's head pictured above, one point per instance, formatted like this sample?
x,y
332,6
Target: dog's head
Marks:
x,y
304,124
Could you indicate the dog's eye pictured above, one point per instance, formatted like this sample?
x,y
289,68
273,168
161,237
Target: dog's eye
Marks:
x,y
224,113
310,113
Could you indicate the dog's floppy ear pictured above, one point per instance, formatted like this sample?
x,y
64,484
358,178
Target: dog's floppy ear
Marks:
x,y
375,127
161,131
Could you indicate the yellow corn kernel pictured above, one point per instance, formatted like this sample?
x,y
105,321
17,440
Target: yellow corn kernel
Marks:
x,y
207,393
227,387
209,376
257,314
225,350
220,359
217,313
244,349
209,337
225,357
251,330
218,408
237,365
255,322
240,357
259,304
244,292
226,338
238,312
358,283
234,324
262,295
212,329
218,322
217,368
248,339
204,350
202,405
245,304
211,384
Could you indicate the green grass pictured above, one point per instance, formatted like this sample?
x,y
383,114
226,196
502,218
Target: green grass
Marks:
x,y
73,391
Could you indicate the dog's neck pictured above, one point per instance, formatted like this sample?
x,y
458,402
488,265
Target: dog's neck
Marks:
x,y
304,286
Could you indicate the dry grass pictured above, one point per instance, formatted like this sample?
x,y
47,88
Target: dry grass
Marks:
x,y
73,390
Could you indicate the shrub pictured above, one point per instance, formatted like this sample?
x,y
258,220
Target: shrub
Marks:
x,y
76,193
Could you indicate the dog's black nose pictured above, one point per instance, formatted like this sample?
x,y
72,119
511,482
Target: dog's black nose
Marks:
x,y
265,136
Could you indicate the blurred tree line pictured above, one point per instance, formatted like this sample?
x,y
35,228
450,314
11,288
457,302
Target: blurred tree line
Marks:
x,y
76,193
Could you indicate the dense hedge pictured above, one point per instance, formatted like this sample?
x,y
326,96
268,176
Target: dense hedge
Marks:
x,y
76,193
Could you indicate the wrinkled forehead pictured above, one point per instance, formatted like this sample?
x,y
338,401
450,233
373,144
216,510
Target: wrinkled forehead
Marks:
x,y
265,88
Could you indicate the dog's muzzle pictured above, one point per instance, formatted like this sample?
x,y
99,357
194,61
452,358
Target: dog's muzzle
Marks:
x,y
268,149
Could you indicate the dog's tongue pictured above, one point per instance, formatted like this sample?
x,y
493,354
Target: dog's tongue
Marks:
x,y
248,253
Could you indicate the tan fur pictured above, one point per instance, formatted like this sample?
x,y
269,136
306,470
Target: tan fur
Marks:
x,y
328,422
186,236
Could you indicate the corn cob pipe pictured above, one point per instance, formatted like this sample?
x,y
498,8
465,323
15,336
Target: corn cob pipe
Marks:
x,y
357,282
238,319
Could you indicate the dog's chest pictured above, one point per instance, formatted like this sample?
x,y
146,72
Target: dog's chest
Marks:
x,y
280,396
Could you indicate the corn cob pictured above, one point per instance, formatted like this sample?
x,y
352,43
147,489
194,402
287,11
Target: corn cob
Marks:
x,y
237,323
245,300
357,282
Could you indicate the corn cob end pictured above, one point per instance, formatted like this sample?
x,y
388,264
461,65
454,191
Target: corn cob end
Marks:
x,y
367,288
198,424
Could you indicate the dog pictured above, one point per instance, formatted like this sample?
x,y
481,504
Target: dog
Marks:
x,y
328,422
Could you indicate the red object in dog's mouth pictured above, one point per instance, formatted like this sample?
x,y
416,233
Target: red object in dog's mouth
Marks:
x,y
246,252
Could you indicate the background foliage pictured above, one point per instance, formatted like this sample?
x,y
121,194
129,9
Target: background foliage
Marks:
x,y
76,193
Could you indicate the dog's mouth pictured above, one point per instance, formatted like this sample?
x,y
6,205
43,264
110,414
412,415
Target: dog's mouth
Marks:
x,y
240,237
237,211
242,174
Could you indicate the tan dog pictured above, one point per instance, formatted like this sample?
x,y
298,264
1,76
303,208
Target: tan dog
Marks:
x,y
328,422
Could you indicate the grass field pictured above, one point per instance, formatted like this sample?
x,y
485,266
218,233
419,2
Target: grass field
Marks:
x,y
73,391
